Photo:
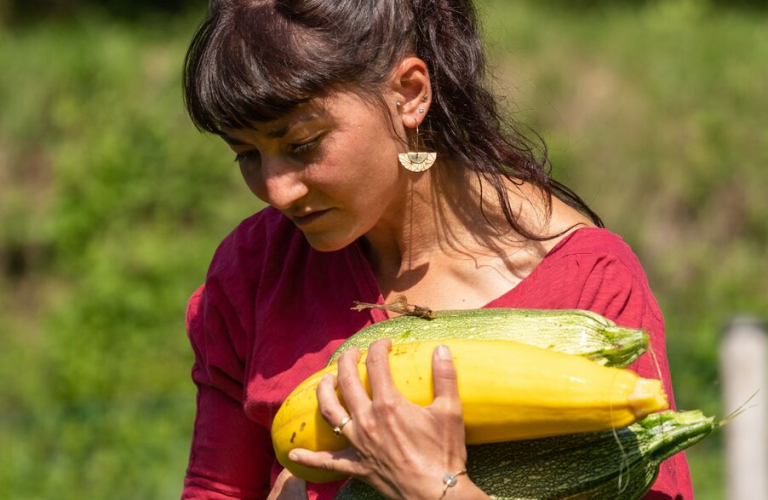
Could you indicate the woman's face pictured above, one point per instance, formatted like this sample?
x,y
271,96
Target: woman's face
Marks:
x,y
330,166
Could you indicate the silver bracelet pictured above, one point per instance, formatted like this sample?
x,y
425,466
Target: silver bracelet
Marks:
x,y
450,479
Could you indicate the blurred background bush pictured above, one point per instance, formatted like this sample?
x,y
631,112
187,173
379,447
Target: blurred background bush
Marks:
x,y
111,205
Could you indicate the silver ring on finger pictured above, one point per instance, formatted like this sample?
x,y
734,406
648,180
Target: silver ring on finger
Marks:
x,y
337,430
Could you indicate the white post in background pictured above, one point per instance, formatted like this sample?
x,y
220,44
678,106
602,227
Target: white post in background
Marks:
x,y
744,356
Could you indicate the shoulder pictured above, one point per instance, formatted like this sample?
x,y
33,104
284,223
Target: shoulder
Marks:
x,y
258,246
264,233
594,250
254,252
263,269
220,313
595,269
592,242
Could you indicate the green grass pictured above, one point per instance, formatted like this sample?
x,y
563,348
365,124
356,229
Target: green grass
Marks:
x,y
111,205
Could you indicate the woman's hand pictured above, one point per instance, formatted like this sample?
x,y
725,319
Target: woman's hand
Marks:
x,y
288,487
400,448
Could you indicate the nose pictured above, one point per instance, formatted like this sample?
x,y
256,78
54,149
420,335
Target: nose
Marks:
x,y
281,183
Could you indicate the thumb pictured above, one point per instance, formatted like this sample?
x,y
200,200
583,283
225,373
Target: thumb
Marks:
x,y
294,489
288,487
444,377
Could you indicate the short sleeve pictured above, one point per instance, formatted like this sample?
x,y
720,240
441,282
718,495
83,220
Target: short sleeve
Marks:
x,y
231,456
617,288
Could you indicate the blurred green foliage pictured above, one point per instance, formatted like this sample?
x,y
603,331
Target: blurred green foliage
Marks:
x,y
612,4
111,205
26,10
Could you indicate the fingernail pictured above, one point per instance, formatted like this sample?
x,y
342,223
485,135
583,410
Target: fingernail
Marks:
x,y
325,376
293,456
443,353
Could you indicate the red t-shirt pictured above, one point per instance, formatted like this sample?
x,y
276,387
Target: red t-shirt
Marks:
x,y
272,311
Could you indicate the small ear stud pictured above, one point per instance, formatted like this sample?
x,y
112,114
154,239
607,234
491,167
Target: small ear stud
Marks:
x,y
421,110
398,104
425,98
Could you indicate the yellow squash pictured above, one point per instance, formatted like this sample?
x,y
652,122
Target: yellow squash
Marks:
x,y
509,391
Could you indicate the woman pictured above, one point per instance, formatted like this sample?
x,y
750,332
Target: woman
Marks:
x,y
321,100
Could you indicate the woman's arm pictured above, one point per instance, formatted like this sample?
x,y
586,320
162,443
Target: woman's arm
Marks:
x,y
400,448
229,456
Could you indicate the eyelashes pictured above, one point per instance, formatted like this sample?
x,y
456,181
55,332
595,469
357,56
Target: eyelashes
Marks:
x,y
305,147
295,149
246,156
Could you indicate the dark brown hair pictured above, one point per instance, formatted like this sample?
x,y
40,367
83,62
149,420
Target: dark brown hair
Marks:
x,y
256,60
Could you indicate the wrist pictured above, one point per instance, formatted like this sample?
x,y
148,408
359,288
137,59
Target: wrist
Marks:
x,y
443,486
464,489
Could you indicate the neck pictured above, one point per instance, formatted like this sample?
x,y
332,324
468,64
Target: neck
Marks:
x,y
445,213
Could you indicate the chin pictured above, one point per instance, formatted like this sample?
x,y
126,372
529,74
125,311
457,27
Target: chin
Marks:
x,y
324,242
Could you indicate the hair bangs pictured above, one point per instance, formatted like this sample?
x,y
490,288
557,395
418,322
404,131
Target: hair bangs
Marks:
x,y
252,64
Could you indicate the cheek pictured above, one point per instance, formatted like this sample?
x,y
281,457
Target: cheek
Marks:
x,y
252,177
371,167
364,185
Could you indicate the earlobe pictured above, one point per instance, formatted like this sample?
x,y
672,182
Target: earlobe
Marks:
x,y
411,83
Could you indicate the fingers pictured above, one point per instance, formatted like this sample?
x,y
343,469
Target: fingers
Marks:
x,y
330,407
353,393
344,461
379,373
444,378
350,386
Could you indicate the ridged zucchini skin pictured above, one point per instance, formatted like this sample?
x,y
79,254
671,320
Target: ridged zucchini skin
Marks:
x,y
578,332
591,466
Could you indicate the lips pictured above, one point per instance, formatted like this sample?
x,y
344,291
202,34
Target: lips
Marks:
x,y
302,220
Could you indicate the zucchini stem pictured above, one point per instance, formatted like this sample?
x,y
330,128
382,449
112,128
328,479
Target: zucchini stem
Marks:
x,y
399,306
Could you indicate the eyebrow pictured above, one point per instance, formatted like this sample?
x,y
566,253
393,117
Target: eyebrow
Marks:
x,y
283,131
277,133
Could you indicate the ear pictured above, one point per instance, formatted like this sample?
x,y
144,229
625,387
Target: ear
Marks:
x,y
410,86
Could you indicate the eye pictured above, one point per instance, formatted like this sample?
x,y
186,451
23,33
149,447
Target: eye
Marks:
x,y
305,147
247,156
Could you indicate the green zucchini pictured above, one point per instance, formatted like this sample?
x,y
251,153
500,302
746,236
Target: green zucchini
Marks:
x,y
607,465
577,332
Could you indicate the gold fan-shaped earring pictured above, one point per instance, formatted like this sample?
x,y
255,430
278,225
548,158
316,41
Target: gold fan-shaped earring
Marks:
x,y
417,161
